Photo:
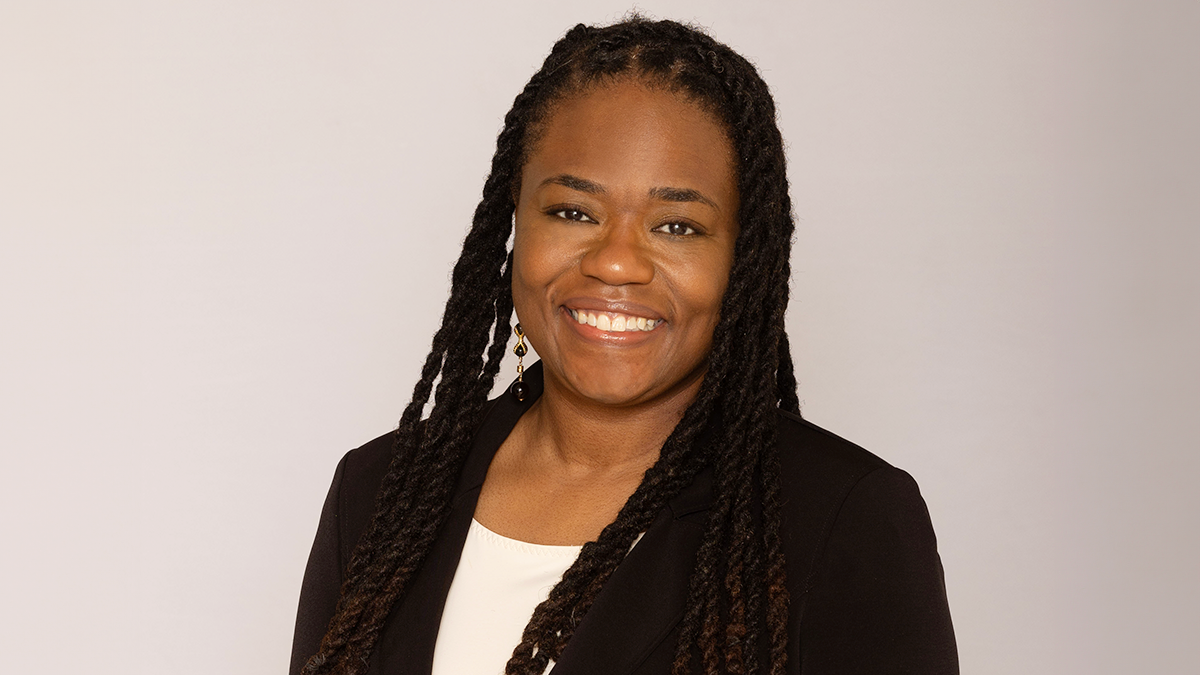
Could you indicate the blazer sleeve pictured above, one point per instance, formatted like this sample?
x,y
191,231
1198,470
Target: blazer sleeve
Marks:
x,y
877,600
322,578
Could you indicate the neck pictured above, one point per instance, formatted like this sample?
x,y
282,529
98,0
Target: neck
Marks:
x,y
581,432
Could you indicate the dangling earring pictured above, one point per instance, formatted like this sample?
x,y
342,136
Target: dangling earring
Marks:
x,y
518,387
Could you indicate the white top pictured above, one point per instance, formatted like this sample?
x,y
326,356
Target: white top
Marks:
x,y
498,584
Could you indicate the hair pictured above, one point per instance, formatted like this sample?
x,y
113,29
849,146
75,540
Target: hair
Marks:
x,y
737,608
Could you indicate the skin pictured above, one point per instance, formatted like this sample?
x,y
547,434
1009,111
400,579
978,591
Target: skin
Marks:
x,y
627,204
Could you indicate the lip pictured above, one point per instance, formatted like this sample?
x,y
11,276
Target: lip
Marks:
x,y
597,305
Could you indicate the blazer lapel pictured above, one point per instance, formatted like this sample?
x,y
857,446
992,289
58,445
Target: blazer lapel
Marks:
x,y
410,633
643,601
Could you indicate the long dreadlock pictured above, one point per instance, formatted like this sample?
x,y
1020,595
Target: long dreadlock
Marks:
x,y
736,610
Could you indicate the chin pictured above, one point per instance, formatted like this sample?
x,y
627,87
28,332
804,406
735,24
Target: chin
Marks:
x,y
608,386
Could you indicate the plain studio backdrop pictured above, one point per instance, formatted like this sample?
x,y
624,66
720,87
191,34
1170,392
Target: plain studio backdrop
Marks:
x,y
227,230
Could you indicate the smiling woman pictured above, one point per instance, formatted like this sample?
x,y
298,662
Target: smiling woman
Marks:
x,y
651,501
626,215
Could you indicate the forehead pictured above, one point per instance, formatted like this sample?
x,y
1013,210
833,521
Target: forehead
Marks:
x,y
625,128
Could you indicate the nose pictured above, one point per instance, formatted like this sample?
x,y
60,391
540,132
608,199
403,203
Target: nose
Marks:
x,y
619,255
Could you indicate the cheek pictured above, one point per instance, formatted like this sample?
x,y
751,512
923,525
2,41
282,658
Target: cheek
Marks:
x,y
540,256
701,288
536,265
523,285
710,306
528,264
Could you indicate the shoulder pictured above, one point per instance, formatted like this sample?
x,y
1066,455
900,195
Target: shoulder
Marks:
x,y
355,485
361,472
831,486
867,590
806,448
362,469
819,469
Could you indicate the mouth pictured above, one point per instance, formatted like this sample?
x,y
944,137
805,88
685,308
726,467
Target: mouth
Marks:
x,y
614,322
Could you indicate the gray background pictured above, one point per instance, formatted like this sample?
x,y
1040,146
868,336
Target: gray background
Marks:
x,y
228,227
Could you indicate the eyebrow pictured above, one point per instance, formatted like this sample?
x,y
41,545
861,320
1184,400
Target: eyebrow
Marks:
x,y
666,194
669,194
575,183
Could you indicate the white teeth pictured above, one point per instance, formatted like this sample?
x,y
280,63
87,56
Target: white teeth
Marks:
x,y
614,323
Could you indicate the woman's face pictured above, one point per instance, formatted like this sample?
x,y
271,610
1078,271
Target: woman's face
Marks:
x,y
625,228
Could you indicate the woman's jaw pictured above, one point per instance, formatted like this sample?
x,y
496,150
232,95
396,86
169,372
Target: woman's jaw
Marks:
x,y
619,369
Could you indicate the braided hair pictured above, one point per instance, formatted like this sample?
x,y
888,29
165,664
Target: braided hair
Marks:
x,y
737,607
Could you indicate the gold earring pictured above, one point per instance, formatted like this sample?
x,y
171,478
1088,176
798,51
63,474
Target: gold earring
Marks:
x,y
518,387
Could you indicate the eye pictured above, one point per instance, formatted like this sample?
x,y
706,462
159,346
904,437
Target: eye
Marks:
x,y
573,214
676,229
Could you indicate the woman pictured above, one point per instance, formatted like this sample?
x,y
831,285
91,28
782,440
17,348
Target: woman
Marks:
x,y
644,175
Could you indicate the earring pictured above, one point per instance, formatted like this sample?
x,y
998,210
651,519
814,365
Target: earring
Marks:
x,y
518,387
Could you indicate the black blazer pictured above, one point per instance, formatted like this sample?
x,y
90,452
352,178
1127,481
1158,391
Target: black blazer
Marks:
x,y
867,594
